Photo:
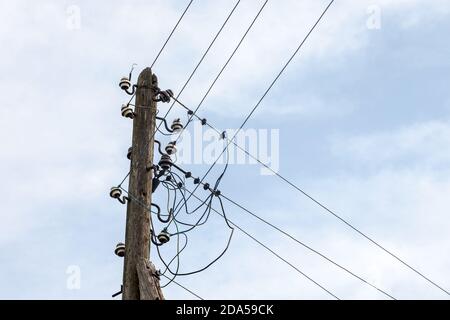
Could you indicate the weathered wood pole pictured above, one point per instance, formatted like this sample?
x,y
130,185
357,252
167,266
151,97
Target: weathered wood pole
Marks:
x,y
137,235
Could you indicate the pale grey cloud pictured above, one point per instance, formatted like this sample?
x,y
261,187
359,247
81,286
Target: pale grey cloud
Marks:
x,y
63,144
421,141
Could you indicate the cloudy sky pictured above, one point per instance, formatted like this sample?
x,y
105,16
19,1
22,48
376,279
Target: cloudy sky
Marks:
x,y
363,114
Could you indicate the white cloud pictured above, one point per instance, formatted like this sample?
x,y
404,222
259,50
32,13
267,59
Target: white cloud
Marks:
x,y
422,143
403,210
62,131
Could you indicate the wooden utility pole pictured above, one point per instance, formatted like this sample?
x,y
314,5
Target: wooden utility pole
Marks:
x,y
139,276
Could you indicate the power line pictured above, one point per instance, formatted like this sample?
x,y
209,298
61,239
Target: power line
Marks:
x,y
306,246
203,56
352,227
239,228
268,89
183,287
268,249
367,237
226,64
177,257
133,198
125,178
303,192
209,207
195,70
284,179
171,33
296,187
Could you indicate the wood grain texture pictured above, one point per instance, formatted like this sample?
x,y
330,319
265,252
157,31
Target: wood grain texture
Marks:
x,y
137,235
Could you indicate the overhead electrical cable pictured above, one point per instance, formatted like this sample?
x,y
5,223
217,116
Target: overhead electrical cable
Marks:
x,y
171,33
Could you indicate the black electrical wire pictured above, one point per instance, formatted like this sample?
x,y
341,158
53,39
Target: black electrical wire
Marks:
x,y
163,133
327,209
323,206
229,223
169,212
133,198
268,249
177,257
165,183
219,179
305,245
132,97
364,235
131,71
182,180
184,201
183,287
210,197
208,265
194,71
174,204
170,209
129,172
171,33
167,265
268,89
123,180
203,56
223,212
199,222
225,65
